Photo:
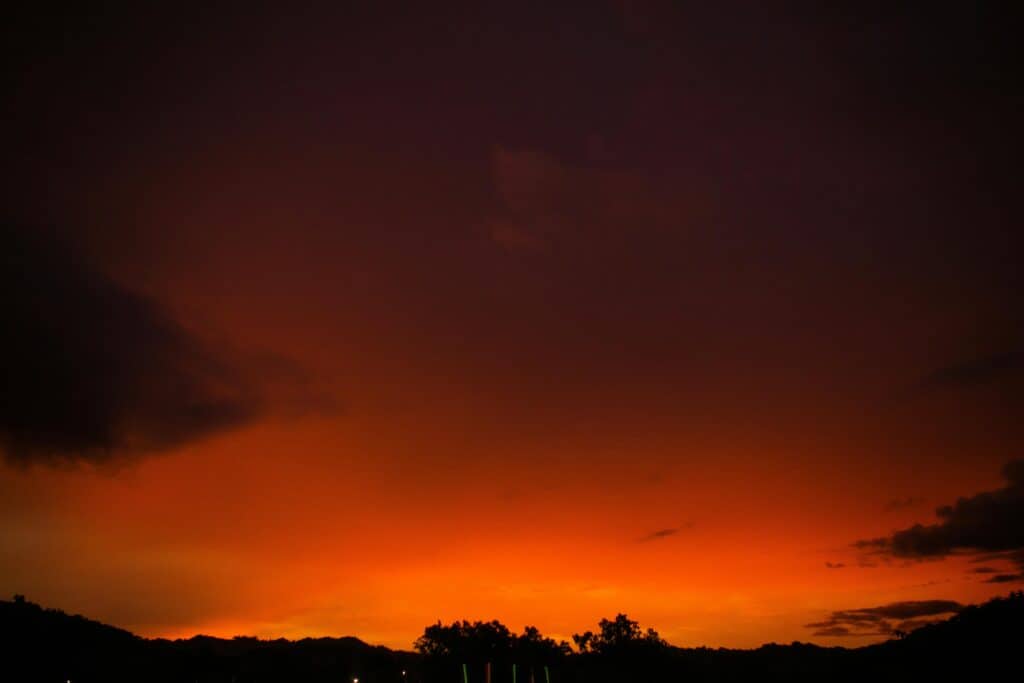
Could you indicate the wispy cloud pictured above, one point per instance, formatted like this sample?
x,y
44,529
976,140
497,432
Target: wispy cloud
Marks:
x,y
1005,578
660,534
885,619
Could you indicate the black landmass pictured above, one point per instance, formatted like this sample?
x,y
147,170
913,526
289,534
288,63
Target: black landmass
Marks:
x,y
979,643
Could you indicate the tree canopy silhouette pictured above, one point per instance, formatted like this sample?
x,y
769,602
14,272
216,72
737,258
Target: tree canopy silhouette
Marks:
x,y
617,634
483,641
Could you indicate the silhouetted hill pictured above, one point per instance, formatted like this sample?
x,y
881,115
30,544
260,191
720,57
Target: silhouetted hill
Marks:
x,y
979,642
41,644
49,645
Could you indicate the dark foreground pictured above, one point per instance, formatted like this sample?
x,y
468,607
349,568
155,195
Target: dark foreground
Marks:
x,y
980,643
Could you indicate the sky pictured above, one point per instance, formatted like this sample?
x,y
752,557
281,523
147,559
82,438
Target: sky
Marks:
x,y
340,321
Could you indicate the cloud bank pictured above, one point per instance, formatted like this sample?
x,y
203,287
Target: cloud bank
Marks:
x,y
988,522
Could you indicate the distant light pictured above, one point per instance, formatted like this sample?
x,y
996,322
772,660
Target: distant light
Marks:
x,y
355,680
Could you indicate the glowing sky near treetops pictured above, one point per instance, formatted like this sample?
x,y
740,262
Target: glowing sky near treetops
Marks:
x,y
340,323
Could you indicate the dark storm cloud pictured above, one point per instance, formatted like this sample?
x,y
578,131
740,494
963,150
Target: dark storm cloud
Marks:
x,y
991,521
976,371
93,370
874,621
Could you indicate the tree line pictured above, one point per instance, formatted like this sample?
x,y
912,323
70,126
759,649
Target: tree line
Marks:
x,y
489,652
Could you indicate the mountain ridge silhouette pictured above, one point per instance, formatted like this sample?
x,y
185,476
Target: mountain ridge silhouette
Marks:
x,y
44,644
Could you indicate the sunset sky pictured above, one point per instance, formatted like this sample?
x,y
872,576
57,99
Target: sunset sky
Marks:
x,y
340,322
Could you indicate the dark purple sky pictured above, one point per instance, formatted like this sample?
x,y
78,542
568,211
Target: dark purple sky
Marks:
x,y
745,275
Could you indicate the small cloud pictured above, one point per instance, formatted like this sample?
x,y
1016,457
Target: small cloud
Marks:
x,y
836,631
878,621
1014,556
834,565
984,570
665,533
1005,578
975,371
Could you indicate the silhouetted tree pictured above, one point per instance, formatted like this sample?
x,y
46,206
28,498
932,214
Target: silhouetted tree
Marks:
x,y
533,648
470,641
448,647
617,634
584,641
